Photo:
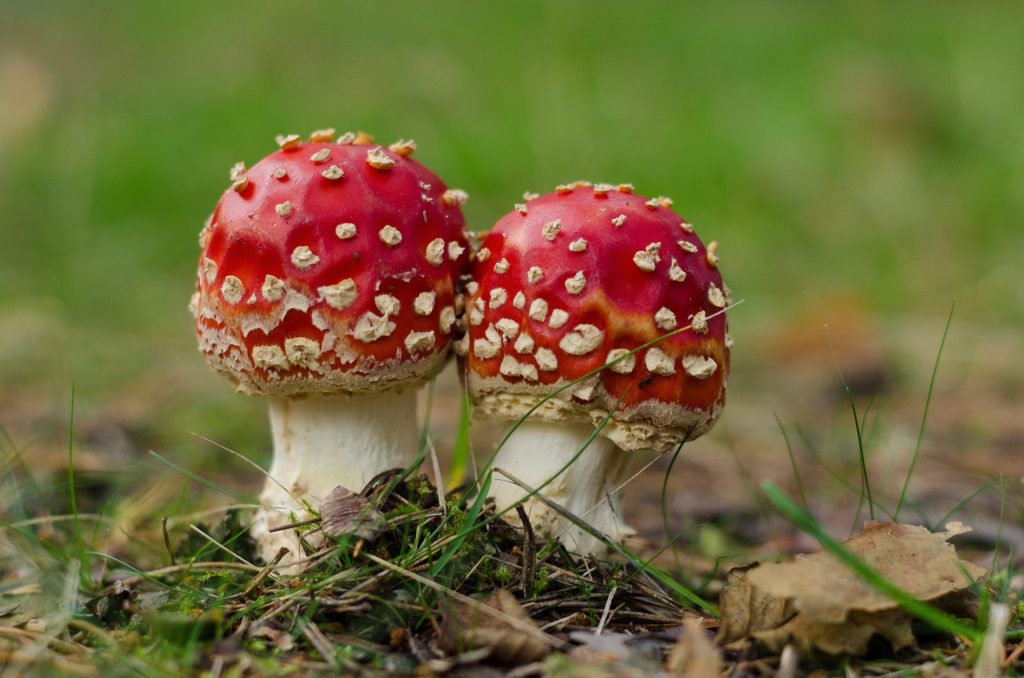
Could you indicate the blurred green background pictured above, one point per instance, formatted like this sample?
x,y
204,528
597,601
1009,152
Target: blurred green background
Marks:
x,y
865,151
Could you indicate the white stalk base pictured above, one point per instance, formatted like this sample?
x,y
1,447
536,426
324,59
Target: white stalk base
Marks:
x,y
323,442
536,452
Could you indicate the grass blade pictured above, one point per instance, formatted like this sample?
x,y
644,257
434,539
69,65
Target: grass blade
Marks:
x,y
924,417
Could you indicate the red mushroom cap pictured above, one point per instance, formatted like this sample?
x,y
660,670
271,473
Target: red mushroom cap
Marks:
x,y
574,279
330,268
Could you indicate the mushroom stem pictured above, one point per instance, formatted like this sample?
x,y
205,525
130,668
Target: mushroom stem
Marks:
x,y
322,442
536,452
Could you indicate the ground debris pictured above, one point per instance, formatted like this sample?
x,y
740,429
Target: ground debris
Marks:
x,y
817,603
345,512
467,627
695,655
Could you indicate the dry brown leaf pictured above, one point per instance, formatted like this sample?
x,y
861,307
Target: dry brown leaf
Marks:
x,y
694,655
466,627
345,512
818,603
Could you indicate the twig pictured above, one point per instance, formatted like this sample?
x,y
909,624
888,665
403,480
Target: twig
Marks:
x,y
529,551
606,614
281,553
167,540
223,548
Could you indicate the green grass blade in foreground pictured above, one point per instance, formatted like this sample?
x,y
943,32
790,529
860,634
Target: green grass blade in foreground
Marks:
x,y
72,496
468,527
792,462
920,609
203,481
924,417
462,450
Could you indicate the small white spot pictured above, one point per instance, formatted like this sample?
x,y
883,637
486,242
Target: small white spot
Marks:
x,y
333,173
339,296
321,156
461,345
280,174
273,288
619,220
539,310
404,148
283,209
419,341
578,245
501,266
239,179
345,231
447,319
601,190
534,275
550,230
493,335
623,366
715,296
659,362
712,254
347,139
387,304
435,251
288,141
648,258
209,270
664,201
582,340
546,360
455,250
378,159
498,297
688,246
303,257
519,301
558,319
521,208
390,236
508,327
585,390
665,319
232,289
728,340
302,351
485,349
510,367
575,284
528,196
476,316
371,327
699,367
322,135
471,287
686,226
479,303
454,196
423,304
699,322
269,357
675,273
652,204
483,255
625,188
524,344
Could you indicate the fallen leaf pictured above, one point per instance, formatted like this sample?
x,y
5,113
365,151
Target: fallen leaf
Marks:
x,y
816,602
345,512
466,627
694,655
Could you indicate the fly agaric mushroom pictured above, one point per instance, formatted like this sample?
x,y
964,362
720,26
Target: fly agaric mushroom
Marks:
x,y
568,283
327,283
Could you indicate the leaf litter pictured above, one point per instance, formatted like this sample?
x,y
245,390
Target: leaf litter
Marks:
x,y
817,603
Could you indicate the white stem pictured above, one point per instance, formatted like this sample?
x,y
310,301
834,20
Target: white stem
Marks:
x,y
323,442
536,452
